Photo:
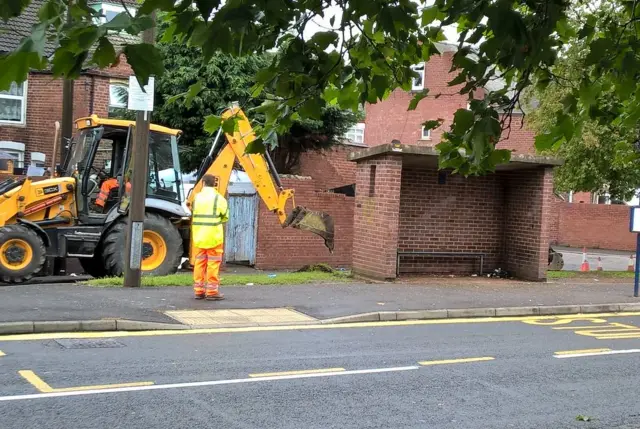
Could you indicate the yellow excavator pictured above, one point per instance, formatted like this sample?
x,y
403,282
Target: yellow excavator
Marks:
x,y
58,218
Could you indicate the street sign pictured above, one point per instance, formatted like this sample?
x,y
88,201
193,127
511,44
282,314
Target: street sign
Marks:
x,y
138,99
634,226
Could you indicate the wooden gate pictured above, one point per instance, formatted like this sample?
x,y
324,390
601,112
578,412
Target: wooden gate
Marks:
x,y
241,230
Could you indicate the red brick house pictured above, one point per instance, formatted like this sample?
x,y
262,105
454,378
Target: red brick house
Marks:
x,y
389,119
28,111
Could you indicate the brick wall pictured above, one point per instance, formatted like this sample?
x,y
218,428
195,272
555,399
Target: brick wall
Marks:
x,y
461,215
290,248
390,119
44,106
329,168
376,218
528,208
597,226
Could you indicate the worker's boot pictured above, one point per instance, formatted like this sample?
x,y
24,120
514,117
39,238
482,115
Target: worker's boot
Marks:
x,y
213,293
199,291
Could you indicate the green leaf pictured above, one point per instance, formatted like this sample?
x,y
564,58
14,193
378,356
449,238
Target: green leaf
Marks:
x,y
105,54
192,92
564,29
429,15
545,141
432,124
230,125
323,39
212,123
150,5
597,50
566,126
119,22
206,7
417,98
12,8
256,146
145,60
499,156
312,108
15,67
462,120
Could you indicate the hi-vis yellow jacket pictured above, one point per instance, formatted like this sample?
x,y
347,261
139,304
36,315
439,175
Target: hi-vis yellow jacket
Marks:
x,y
210,211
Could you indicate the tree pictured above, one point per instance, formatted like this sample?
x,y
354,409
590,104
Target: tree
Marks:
x,y
223,80
366,51
599,157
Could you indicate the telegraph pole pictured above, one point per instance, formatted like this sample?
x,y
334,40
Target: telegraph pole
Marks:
x,y
140,161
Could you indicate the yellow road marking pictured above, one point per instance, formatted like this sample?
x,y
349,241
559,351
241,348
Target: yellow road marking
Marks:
x,y
450,361
120,334
43,387
2,353
571,352
304,371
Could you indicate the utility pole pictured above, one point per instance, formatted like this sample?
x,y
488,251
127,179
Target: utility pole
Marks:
x,y
67,109
140,160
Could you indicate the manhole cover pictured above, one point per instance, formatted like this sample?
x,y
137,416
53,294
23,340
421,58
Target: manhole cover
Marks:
x,y
89,344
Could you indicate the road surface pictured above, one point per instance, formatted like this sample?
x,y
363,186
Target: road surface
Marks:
x,y
513,373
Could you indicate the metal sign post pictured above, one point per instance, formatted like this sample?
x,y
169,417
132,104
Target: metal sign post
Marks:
x,y
141,101
634,226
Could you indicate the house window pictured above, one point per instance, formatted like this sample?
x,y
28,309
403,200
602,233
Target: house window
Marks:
x,y
418,82
11,157
110,11
118,96
38,159
355,134
426,134
13,104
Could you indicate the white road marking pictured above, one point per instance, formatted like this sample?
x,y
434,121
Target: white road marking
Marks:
x,y
602,353
204,383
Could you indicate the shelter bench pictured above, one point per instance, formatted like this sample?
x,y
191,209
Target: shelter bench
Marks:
x,y
451,254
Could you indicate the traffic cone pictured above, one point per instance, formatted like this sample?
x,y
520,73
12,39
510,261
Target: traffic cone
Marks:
x,y
585,263
599,264
631,266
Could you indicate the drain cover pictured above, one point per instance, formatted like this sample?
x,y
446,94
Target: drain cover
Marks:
x,y
89,344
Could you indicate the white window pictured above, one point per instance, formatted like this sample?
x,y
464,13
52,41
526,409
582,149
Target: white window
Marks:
x,y
109,11
38,159
426,134
13,104
418,82
355,134
118,94
11,156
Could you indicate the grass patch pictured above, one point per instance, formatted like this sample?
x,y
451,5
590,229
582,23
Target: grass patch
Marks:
x,y
590,274
258,279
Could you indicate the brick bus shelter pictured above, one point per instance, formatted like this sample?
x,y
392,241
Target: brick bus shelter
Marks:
x,y
412,218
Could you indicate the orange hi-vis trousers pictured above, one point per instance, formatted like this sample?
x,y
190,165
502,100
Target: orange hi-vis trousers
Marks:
x,y
206,271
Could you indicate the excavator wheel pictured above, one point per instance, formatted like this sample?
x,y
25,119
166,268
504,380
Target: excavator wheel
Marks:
x,y
161,247
22,254
94,266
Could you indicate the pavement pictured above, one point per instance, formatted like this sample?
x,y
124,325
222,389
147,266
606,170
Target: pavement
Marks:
x,y
521,373
612,260
76,302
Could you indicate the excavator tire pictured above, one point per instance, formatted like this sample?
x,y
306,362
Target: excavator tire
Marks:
x,y
94,266
161,249
22,254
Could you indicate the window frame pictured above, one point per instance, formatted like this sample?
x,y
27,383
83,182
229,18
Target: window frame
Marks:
x,y
23,99
420,69
355,129
422,136
121,84
111,8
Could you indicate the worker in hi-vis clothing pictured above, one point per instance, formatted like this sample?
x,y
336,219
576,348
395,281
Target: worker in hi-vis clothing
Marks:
x,y
209,213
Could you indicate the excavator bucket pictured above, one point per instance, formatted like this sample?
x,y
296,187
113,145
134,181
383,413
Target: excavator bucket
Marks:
x,y
320,223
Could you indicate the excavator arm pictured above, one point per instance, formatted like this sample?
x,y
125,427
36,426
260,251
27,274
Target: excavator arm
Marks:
x,y
220,161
